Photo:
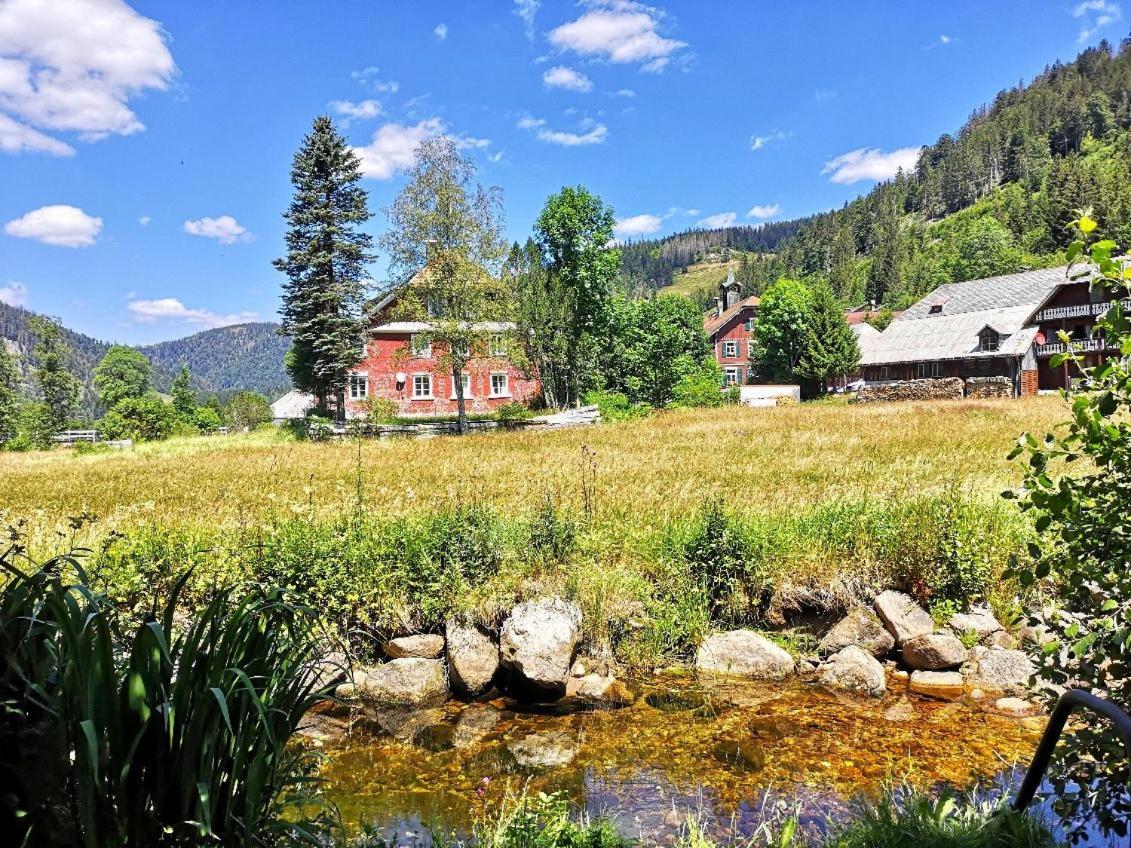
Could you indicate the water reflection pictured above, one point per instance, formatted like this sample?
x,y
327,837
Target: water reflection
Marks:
x,y
731,752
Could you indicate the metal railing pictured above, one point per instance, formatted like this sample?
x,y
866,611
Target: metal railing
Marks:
x,y
1069,701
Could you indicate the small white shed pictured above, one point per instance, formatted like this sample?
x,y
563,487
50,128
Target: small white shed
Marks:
x,y
767,395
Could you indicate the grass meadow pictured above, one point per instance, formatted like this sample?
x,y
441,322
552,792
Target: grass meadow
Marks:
x,y
660,527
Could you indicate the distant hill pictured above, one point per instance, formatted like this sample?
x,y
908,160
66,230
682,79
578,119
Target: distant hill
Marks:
x,y
222,361
228,359
651,264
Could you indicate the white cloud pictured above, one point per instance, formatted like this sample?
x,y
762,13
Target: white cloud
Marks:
x,y
465,142
1095,15
941,41
720,219
171,309
562,77
19,138
368,78
61,225
14,294
870,163
620,31
363,110
393,147
637,225
527,9
497,156
625,92
224,229
757,142
528,123
74,68
441,31
143,220
768,210
596,135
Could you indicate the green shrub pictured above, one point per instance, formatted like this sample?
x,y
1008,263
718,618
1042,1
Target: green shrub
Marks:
x,y
144,419
247,409
509,413
719,560
615,406
700,387
381,410
34,428
172,732
551,534
207,419
544,821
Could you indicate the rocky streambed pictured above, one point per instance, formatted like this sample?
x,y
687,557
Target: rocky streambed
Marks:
x,y
437,736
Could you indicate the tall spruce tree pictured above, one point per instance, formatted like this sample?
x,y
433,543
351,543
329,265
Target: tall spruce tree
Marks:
x,y
830,348
325,265
58,386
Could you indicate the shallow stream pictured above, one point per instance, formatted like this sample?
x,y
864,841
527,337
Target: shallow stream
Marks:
x,y
729,752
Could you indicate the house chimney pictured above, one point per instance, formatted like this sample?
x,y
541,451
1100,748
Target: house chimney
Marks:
x,y
718,306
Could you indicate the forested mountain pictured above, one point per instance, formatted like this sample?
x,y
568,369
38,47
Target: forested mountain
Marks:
x,y
649,264
991,199
242,356
222,361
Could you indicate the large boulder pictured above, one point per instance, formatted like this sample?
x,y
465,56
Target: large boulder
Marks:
x,y
860,627
407,682
934,652
1000,670
744,653
854,670
538,641
903,618
473,659
430,646
979,620
947,685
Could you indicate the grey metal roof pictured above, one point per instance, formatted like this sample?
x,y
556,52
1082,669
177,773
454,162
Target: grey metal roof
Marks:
x,y
866,336
1003,303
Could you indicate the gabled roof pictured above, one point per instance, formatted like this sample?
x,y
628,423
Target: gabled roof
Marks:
x,y
1002,303
712,322
294,404
866,336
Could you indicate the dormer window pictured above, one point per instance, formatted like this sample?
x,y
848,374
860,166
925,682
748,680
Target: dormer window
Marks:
x,y
989,340
936,308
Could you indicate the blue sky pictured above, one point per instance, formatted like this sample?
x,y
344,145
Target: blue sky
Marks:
x,y
145,148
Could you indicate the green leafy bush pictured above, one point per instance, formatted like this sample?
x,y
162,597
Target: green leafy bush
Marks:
x,y
700,387
172,732
509,413
719,560
616,406
552,533
34,428
144,419
206,419
247,409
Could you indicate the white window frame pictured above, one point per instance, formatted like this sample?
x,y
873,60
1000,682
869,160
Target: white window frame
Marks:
x,y
730,348
985,337
497,345
466,387
506,384
732,376
421,351
415,394
358,387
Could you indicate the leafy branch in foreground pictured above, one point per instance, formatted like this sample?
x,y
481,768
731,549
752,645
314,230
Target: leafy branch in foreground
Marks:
x,y
1084,552
169,733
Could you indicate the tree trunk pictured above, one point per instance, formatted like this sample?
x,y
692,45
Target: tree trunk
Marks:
x,y
461,410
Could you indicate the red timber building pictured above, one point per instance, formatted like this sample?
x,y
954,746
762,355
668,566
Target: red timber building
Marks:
x,y
731,329
401,364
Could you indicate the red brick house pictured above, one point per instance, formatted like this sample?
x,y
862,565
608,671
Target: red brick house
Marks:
x,y
730,327
401,365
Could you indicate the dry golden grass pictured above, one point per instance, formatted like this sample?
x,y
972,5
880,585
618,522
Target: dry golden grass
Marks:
x,y
646,472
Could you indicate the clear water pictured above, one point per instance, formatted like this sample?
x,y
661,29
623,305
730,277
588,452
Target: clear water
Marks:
x,y
731,753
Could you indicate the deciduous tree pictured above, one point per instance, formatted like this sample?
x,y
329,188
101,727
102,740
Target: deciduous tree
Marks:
x,y
57,385
123,373
783,324
448,227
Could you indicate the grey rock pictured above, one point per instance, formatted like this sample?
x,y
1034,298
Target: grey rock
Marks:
x,y
406,682
860,627
854,670
903,618
538,641
429,646
406,723
902,710
978,620
473,659
599,689
473,724
934,652
1017,707
1001,670
544,749
947,685
744,653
